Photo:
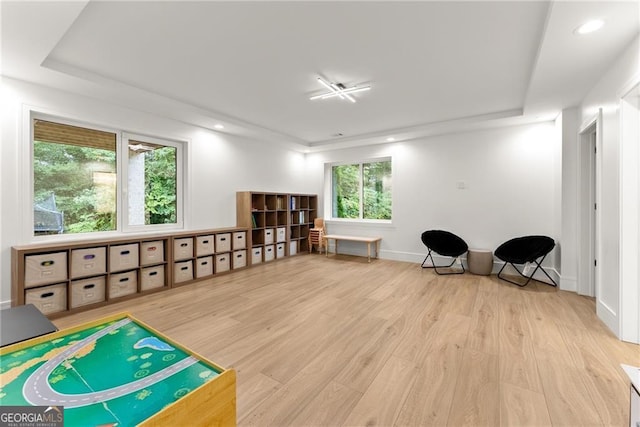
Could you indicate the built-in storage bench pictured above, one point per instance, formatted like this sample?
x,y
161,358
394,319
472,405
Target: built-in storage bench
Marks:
x,y
204,254
64,277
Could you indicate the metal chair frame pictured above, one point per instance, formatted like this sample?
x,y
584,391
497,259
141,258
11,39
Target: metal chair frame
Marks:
x,y
435,267
530,277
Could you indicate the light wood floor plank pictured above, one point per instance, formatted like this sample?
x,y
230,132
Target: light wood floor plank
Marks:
x,y
567,398
600,377
484,334
451,330
430,398
522,407
330,408
200,338
372,356
397,280
282,359
463,298
518,365
442,298
254,388
545,335
476,401
393,382
558,308
414,339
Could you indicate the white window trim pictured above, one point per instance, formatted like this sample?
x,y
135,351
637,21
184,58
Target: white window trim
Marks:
x,y
31,115
328,207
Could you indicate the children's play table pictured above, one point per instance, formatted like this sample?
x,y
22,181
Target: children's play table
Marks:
x,y
117,371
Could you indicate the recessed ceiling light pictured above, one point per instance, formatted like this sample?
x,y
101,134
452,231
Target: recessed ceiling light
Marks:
x,y
589,26
391,139
219,126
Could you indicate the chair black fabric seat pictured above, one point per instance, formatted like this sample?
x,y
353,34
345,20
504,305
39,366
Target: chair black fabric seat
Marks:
x,y
522,250
443,243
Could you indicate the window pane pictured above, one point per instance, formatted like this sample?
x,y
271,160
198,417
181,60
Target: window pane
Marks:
x,y
377,190
346,191
74,175
152,184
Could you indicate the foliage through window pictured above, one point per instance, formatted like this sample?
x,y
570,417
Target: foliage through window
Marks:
x,y
76,178
152,178
74,185
362,190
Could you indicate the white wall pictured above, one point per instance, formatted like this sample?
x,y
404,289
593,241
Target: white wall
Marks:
x,y
606,94
512,188
220,164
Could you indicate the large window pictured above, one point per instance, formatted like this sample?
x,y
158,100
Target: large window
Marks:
x,y
362,190
77,180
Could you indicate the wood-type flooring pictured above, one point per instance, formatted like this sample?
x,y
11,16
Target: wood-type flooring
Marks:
x,y
341,342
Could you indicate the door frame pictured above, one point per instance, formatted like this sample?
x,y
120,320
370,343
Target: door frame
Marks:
x,y
589,184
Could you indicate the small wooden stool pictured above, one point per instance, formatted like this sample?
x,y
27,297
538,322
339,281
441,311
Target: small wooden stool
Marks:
x,y
316,235
480,261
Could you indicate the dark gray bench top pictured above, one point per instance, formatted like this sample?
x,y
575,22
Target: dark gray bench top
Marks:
x,y
22,323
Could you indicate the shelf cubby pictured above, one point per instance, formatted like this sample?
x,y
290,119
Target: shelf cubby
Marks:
x,y
271,202
275,218
271,219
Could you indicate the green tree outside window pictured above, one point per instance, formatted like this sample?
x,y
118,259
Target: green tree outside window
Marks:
x,y
362,190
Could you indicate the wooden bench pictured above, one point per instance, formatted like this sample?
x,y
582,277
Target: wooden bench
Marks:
x,y
367,240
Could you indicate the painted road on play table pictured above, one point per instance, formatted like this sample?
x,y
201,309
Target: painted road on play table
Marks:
x,y
38,391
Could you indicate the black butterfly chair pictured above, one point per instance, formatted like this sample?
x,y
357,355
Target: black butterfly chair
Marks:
x,y
522,250
443,243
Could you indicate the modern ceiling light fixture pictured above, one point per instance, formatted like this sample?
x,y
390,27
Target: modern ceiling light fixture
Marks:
x,y
338,89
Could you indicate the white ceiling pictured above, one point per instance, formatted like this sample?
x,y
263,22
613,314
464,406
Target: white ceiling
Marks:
x,y
253,65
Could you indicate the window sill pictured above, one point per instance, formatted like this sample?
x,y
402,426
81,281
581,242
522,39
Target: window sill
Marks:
x,y
364,223
104,235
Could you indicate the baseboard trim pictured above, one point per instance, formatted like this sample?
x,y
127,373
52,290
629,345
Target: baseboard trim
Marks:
x,y
402,256
569,284
608,316
412,257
